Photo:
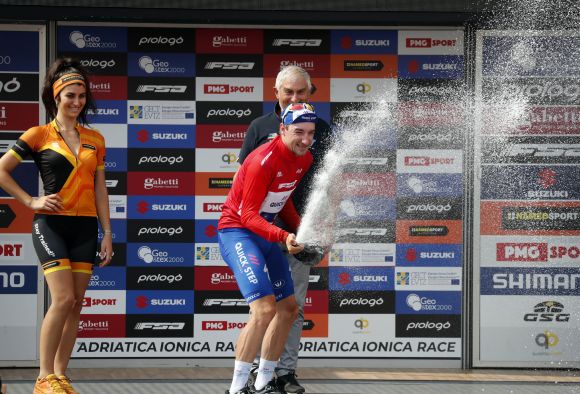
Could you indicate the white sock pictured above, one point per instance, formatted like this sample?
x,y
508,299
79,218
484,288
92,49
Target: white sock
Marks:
x,y
241,373
265,373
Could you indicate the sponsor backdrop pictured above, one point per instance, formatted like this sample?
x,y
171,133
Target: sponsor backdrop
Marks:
x,y
21,72
527,201
174,105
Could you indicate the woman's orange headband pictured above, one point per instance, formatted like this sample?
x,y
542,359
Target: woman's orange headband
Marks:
x,y
65,80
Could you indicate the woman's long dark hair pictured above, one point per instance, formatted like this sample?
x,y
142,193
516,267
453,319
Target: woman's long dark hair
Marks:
x,y
58,69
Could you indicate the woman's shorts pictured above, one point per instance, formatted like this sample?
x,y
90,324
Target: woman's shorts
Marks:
x,y
65,242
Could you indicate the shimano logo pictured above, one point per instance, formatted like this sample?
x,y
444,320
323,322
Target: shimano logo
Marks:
x,y
536,281
171,231
161,160
160,278
371,302
297,42
428,325
15,280
428,208
170,41
96,63
229,112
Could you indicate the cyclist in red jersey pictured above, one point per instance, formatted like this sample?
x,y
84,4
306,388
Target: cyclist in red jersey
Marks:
x,y
70,158
249,244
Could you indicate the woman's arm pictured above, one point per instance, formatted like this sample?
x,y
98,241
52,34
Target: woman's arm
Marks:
x,y
102,203
8,163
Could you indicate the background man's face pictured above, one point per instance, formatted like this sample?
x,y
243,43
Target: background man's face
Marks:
x,y
292,91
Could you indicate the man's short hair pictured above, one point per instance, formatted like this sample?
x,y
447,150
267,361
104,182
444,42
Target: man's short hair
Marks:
x,y
292,72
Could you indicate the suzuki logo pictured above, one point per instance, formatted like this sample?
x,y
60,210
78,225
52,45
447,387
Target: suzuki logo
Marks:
x,y
547,178
143,135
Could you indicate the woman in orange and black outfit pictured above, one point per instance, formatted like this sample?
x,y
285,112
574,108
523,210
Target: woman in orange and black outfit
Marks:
x,y
70,158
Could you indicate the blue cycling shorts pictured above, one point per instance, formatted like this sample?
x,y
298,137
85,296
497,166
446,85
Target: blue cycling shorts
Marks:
x,y
260,266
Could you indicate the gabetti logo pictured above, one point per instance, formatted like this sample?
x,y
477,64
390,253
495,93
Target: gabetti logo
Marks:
x,y
92,325
80,40
307,64
427,161
229,112
226,89
150,65
230,66
10,249
171,231
429,43
91,301
219,136
297,42
418,303
96,63
158,183
548,311
217,278
13,280
212,207
221,325
167,41
219,41
10,86
522,252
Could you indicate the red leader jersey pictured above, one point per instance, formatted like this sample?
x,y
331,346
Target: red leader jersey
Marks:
x,y
262,189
